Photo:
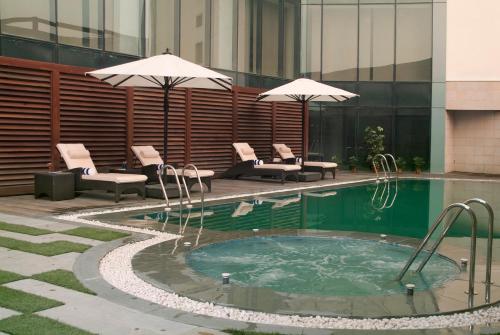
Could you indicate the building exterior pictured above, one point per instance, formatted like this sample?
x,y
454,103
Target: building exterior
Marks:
x,y
405,58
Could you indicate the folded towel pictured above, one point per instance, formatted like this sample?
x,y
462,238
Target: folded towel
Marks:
x,y
88,171
258,162
298,160
160,167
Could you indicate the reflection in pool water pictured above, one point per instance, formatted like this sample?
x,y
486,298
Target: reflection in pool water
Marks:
x,y
317,265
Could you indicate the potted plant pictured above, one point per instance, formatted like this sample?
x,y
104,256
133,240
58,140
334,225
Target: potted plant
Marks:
x,y
401,163
374,139
353,163
419,164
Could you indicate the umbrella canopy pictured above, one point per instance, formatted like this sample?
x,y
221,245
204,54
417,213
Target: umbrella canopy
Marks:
x,y
305,90
166,71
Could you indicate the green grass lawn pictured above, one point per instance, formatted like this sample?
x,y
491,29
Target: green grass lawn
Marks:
x,y
45,249
95,233
62,278
25,302
29,324
23,229
7,277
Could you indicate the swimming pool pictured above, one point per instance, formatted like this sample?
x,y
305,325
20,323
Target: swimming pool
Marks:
x,y
300,230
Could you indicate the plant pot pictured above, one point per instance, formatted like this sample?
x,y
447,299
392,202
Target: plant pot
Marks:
x,y
418,170
354,169
400,170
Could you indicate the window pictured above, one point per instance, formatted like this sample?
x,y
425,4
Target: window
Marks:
x,y
80,23
291,32
340,42
193,34
160,18
247,36
413,42
376,42
310,50
28,18
123,22
223,33
270,37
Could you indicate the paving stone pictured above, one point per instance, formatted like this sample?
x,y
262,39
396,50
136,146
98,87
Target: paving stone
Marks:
x,y
98,315
49,238
29,264
37,223
6,313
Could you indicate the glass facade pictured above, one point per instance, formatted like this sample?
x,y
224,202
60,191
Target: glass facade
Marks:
x,y
380,49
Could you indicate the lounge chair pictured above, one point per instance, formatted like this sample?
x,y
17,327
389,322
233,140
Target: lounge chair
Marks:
x,y
78,161
287,156
251,166
150,158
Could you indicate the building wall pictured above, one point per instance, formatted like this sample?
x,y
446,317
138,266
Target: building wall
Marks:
x,y
42,104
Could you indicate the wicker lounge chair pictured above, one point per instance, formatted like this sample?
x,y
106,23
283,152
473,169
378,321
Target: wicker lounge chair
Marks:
x,y
251,166
287,156
150,158
78,161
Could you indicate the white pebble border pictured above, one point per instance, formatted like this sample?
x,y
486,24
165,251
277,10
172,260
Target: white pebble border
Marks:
x,y
116,269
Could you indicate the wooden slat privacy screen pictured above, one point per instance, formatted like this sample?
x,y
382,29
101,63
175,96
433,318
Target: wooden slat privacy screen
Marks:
x,y
42,104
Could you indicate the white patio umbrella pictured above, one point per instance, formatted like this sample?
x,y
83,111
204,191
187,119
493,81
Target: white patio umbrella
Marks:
x,y
305,90
166,71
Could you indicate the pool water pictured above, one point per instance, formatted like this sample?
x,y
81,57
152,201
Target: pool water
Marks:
x,y
417,204
323,266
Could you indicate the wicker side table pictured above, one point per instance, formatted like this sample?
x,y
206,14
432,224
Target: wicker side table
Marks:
x,y
56,185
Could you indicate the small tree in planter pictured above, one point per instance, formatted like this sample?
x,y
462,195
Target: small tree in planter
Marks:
x,y
374,139
401,163
419,163
353,163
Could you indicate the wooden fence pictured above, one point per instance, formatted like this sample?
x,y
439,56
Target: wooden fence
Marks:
x,y
42,104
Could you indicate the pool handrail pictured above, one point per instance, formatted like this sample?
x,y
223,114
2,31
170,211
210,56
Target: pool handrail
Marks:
x,y
489,247
393,162
437,222
385,168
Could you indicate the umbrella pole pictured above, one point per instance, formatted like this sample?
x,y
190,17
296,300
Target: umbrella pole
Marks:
x,y
165,123
304,149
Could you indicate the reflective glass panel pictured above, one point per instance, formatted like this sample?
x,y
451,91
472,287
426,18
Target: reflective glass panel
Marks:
x,y
123,23
80,23
310,50
376,42
193,36
28,18
270,37
413,42
291,18
247,36
222,33
340,42
413,134
160,18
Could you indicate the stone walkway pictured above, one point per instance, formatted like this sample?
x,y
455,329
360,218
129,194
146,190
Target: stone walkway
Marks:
x,y
88,312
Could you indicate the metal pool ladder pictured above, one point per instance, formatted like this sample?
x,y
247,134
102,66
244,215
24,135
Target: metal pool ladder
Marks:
x,y
386,168
472,272
161,171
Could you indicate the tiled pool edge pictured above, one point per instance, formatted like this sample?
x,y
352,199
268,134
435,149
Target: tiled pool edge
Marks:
x,y
142,289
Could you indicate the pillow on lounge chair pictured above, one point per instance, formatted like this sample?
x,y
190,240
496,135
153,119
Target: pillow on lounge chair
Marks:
x,y
149,153
285,150
78,154
247,151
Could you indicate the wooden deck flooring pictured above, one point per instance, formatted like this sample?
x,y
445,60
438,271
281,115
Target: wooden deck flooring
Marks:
x,y
27,205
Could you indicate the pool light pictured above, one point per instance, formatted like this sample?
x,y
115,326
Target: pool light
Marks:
x,y
225,278
410,288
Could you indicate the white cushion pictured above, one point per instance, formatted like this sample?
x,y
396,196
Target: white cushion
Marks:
x,y
245,152
149,152
285,150
116,177
325,165
284,167
190,173
79,154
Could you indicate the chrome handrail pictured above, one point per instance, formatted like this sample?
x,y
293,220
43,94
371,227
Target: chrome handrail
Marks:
x,y
437,222
489,251
202,190
161,171
381,197
385,167
394,163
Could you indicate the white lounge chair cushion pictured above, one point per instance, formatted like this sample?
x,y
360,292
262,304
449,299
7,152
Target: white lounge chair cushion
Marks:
x,y
191,174
118,178
284,167
245,151
147,155
284,151
82,156
325,165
